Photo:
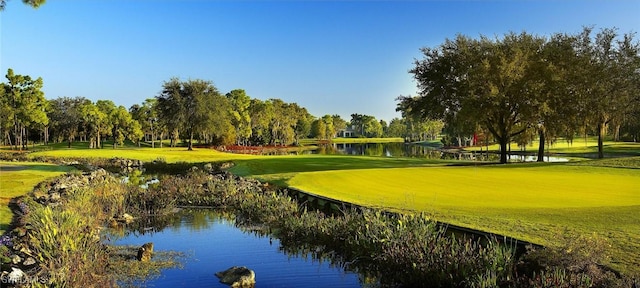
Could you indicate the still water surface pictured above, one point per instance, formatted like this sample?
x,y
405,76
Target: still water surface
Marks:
x,y
399,149
212,244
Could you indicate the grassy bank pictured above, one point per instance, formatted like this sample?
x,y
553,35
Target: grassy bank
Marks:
x,y
19,178
530,202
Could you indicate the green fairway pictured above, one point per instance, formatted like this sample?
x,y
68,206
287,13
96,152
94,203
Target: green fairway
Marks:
x,y
495,187
170,155
18,178
278,169
529,202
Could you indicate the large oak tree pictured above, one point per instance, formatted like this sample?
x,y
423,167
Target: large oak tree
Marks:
x,y
195,108
491,82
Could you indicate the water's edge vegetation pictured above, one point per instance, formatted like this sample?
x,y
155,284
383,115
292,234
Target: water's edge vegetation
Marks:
x,y
58,226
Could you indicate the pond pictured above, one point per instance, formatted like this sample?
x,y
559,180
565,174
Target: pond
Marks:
x,y
212,243
399,149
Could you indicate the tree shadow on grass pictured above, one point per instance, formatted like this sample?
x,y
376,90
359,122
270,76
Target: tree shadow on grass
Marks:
x,y
277,165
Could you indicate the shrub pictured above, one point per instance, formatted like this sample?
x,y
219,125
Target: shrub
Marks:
x,y
578,262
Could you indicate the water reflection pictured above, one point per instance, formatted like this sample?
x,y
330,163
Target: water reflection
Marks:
x,y
398,149
215,244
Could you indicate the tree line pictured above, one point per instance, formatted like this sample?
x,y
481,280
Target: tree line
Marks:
x,y
522,86
187,111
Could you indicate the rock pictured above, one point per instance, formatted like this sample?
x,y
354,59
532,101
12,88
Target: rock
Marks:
x,y
226,165
15,259
145,252
25,250
126,218
208,167
61,186
54,197
15,276
238,277
29,261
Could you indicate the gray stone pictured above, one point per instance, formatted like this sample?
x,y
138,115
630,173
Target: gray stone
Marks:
x,y
15,259
29,261
238,277
15,276
54,197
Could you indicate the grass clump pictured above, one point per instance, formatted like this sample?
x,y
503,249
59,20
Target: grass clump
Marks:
x,y
578,262
68,249
409,250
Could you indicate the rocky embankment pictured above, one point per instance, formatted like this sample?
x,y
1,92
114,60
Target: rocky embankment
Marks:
x,y
23,264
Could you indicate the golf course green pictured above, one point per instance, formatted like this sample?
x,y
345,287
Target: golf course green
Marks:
x,y
530,202
543,203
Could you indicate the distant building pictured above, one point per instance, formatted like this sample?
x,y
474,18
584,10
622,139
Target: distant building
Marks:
x,y
347,132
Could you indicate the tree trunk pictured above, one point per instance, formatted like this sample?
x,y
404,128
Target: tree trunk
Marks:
x,y
190,142
25,138
8,137
541,145
601,132
503,150
46,135
15,131
115,135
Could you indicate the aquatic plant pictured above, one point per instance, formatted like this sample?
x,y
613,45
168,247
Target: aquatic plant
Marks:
x,y
402,249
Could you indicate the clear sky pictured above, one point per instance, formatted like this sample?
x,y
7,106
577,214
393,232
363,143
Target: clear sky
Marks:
x,y
332,57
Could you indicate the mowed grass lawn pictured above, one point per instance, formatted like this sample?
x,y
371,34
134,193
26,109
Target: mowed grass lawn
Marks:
x,y
170,155
533,202
279,169
19,178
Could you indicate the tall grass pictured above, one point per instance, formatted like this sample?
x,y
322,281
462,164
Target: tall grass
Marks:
x,y
64,237
403,249
66,241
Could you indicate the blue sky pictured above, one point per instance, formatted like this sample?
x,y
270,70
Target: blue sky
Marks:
x,y
332,57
